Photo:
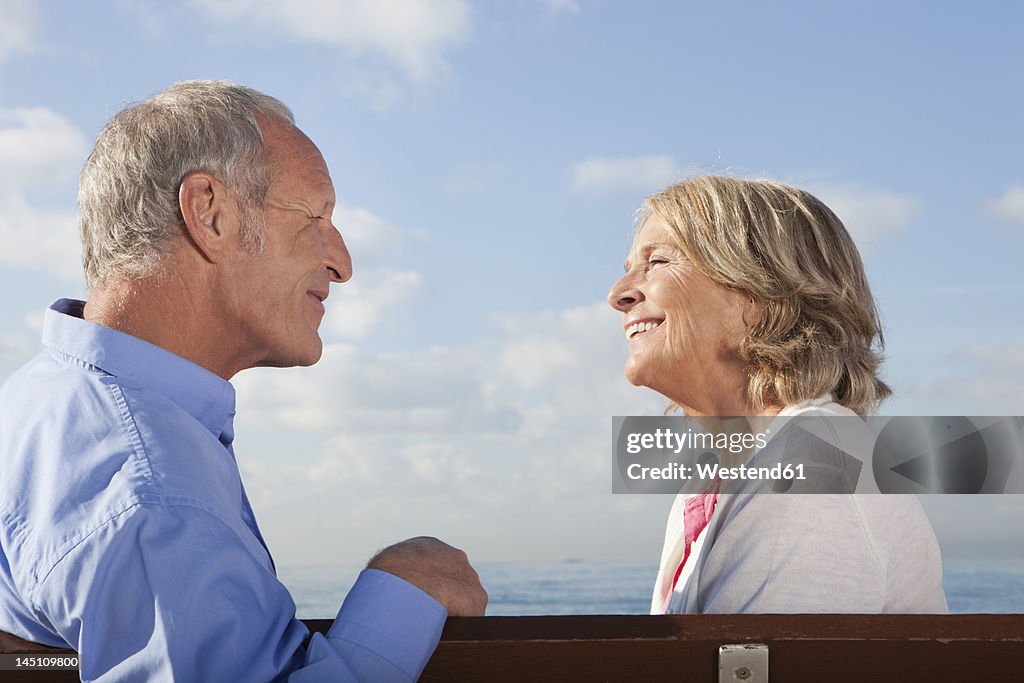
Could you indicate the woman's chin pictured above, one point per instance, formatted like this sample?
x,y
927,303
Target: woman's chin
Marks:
x,y
636,375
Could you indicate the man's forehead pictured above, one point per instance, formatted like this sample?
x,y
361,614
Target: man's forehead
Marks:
x,y
293,156
283,141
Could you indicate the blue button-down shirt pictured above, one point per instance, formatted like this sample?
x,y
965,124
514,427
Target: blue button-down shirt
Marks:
x,y
127,534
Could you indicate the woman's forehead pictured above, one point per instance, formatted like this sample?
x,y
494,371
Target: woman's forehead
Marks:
x,y
653,232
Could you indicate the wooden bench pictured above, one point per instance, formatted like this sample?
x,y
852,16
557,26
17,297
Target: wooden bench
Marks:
x,y
804,647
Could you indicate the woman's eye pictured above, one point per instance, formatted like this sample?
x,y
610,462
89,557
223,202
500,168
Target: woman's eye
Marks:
x,y
655,260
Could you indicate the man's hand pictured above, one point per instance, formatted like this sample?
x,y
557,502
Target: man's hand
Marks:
x,y
438,569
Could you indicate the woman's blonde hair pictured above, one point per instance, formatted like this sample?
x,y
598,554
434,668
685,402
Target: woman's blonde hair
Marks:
x,y
818,331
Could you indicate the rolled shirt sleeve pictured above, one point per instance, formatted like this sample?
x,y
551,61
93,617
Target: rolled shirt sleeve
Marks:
x,y
381,614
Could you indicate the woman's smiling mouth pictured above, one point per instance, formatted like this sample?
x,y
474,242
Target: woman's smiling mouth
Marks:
x,y
639,327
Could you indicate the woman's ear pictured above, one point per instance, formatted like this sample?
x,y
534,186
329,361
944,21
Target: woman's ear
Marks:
x,y
208,210
752,312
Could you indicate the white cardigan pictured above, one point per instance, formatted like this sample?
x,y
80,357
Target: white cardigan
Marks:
x,y
806,553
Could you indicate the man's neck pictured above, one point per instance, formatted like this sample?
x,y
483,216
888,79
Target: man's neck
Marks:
x,y
169,312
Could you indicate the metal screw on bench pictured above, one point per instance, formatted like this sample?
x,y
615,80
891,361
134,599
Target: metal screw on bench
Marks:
x,y
746,662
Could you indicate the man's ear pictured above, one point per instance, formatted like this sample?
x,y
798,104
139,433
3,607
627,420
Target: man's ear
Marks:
x,y
210,212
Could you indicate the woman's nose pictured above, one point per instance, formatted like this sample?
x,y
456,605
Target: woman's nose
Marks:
x,y
624,294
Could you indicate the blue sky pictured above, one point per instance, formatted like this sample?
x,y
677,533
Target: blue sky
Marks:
x,y
488,158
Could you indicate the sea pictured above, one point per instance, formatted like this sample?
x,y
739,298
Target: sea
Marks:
x,y
574,587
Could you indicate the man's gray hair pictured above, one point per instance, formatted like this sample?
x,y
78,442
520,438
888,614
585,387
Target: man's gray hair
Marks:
x,y
128,208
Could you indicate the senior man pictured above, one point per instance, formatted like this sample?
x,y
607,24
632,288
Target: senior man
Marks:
x,y
127,535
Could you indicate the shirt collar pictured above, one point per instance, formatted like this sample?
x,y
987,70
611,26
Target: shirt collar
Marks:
x,y
825,403
797,408
209,398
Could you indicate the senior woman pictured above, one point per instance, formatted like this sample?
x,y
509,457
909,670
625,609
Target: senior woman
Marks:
x,y
748,298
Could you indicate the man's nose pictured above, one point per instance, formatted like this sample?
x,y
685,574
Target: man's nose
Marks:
x,y
336,257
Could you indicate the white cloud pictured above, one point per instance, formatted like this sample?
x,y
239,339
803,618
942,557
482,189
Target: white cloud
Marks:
x,y
40,150
365,231
16,348
19,21
34,321
550,366
601,175
411,34
19,343
995,388
39,239
37,143
357,308
992,387
434,391
511,427
869,214
375,296
568,344
1009,207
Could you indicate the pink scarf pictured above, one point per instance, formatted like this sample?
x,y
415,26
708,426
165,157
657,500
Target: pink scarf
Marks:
x,y
696,515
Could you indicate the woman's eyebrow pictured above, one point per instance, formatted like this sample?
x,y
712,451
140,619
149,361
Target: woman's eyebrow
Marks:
x,y
648,247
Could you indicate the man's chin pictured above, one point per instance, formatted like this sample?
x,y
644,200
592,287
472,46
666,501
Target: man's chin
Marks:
x,y
312,356
301,358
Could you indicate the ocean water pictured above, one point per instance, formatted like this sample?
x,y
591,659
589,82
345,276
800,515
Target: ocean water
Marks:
x,y
984,586
972,586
